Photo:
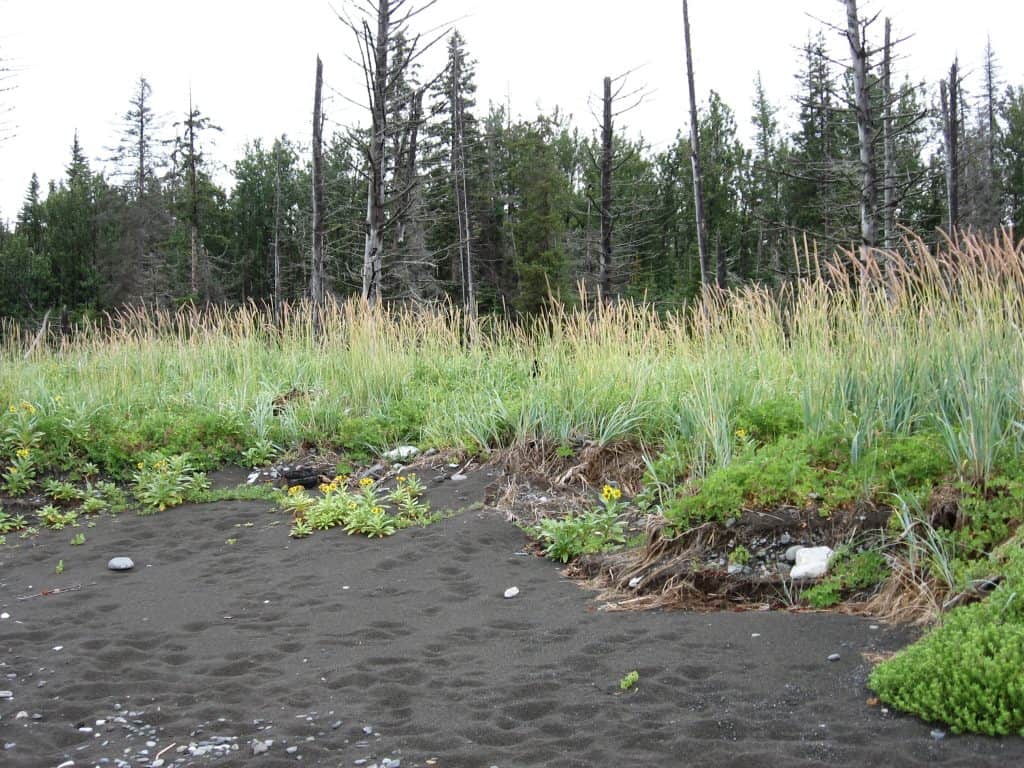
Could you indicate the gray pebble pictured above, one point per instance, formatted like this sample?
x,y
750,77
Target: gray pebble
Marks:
x,y
938,735
292,750
834,657
6,694
336,725
120,564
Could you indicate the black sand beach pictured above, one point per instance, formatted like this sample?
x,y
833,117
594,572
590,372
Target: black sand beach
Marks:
x,y
342,651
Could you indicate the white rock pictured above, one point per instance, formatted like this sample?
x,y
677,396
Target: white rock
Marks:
x,y
5,615
511,592
67,764
811,562
6,694
635,582
458,477
120,564
402,453
791,553
253,477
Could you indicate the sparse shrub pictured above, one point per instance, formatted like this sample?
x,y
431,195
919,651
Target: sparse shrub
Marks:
x,y
160,483
575,535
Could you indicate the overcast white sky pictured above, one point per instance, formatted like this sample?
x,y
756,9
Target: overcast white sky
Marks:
x,y
250,63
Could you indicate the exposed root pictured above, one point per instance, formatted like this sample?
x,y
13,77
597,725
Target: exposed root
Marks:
x,y
907,596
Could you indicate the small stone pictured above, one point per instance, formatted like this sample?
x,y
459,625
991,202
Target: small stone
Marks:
x,y
368,729
10,744
510,593
22,715
938,734
635,582
336,725
458,477
5,615
291,750
834,657
387,762
785,538
85,729
41,684
261,747
58,648
158,763
6,694
734,569
790,555
67,764
120,564
402,453
811,562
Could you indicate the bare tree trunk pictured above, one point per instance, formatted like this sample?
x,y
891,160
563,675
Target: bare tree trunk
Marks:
x,y
698,184
461,191
277,237
720,270
606,193
865,129
317,278
949,93
374,251
889,211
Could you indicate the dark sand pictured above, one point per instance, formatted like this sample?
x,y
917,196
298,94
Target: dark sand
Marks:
x,y
410,638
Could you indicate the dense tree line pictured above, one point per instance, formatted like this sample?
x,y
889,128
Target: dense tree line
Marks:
x,y
500,212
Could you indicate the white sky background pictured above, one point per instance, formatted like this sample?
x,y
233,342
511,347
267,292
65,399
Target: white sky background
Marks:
x,y
250,64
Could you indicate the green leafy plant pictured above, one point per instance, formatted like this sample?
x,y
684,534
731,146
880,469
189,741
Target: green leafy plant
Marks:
x,y
166,482
21,473
57,519
965,673
850,572
740,555
78,539
60,490
574,535
407,497
10,523
629,680
300,529
59,569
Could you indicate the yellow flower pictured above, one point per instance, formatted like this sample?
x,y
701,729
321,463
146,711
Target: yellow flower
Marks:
x,y
378,510
366,482
23,453
56,398
28,406
741,433
608,493
326,488
295,490
141,465
12,409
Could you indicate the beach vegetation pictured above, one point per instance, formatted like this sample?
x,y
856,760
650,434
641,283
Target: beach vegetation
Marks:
x,y
629,680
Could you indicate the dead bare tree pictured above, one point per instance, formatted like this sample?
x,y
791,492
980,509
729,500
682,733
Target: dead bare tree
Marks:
x,y
698,184
375,24
459,179
613,93
949,95
889,145
856,36
317,275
